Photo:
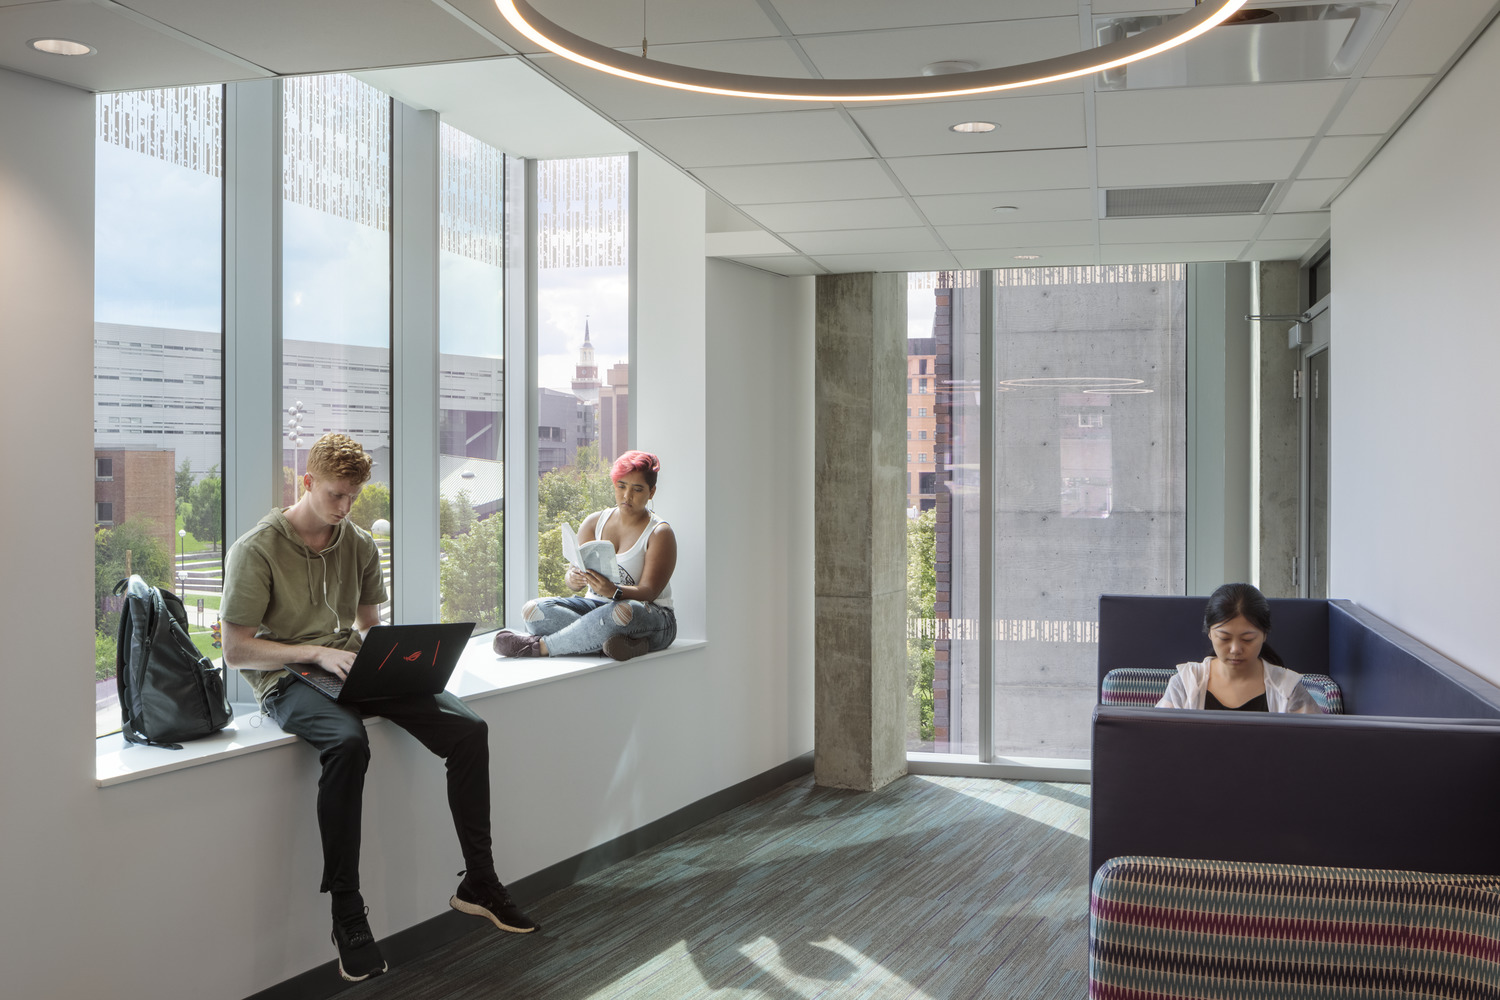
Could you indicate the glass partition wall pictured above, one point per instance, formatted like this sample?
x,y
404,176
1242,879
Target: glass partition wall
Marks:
x,y
1069,484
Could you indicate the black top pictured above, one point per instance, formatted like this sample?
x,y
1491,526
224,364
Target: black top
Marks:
x,y
1256,704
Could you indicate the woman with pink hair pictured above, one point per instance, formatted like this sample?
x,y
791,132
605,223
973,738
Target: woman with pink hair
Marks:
x,y
624,617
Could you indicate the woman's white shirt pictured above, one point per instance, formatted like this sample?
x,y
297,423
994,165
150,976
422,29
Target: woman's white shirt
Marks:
x,y
1284,690
633,560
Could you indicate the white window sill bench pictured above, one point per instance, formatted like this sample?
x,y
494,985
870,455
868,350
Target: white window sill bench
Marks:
x,y
480,674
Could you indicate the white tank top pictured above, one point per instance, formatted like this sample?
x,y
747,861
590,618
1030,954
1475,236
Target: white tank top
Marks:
x,y
633,560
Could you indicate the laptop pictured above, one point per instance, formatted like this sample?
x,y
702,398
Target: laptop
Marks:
x,y
395,660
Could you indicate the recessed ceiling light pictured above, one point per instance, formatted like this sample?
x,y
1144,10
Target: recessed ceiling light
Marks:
x,y
1005,209
1028,256
61,47
973,127
947,67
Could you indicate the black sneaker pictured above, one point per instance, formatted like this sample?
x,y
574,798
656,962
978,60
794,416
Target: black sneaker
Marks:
x,y
359,955
491,900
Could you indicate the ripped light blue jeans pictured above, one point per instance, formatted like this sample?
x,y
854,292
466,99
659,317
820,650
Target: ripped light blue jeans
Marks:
x,y
581,624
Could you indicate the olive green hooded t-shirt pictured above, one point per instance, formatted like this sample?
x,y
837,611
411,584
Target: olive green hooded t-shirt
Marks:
x,y
294,594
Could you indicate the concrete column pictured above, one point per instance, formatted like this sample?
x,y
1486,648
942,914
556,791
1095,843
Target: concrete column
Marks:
x,y
1278,494
860,567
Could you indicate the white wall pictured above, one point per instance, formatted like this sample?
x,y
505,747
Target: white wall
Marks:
x,y
202,883
1414,367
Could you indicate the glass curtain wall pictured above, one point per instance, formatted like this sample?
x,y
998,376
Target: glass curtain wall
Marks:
x,y
471,380
942,346
158,360
1090,484
336,285
1088,490
583,345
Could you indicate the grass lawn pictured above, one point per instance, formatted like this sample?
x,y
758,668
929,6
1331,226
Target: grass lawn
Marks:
x,y
204,640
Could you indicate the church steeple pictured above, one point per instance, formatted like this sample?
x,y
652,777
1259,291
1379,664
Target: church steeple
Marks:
x,y
586,372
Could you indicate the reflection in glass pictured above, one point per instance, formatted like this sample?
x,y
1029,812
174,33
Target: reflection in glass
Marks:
x,y
583,345
158,360
471,380
336,331
1089,475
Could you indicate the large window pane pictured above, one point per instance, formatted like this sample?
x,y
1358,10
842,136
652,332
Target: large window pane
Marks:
x,y
471,379
336,330
583,344
158,359
943,322
1089,477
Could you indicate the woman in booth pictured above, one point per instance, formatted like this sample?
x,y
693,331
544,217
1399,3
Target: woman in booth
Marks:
x,y
1245,674
624,617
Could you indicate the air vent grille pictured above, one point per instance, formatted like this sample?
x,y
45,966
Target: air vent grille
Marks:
x,y
1202,199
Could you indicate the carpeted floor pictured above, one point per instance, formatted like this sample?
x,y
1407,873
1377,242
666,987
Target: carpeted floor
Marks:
x,y
941,888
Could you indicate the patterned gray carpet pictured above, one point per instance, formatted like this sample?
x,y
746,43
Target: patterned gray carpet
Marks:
x,y
940,888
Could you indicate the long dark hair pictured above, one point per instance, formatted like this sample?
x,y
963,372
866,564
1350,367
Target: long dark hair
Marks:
x,y
1241,600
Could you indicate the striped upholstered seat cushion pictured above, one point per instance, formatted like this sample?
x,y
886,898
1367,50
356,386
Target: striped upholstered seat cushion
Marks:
x,y
1164,928
1145,686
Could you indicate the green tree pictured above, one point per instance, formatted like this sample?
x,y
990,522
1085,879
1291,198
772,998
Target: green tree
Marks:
x,y
569,495
471,579
447,518
463,513
148,560
374,503
204,516
921,606
184,482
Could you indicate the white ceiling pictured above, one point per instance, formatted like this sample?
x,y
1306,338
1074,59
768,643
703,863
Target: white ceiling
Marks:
x,y
806,188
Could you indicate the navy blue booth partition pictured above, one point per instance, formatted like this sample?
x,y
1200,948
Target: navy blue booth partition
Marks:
x,y
1408,778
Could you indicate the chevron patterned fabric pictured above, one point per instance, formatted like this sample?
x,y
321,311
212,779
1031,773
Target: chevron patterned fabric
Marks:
x,y
1143,687
1210,930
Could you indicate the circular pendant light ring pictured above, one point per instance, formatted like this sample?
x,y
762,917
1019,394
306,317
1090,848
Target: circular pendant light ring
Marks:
x,y
1205,16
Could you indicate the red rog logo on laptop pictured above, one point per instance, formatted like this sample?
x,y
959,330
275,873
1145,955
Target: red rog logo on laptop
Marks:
x,y
413,656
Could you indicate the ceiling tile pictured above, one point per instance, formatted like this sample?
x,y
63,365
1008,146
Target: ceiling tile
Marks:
x,y
781,182
1282,249
131,55
1169,253
626,100
1031,206
1005,257
294,36
1428,35
1297,226
1339,156
1207,114
1200,229
859,15
1378,105
786,137
1309,196
1199,163
622,25
1022,170
1025,123
849,263
916,238
1021,235
902,52
855,213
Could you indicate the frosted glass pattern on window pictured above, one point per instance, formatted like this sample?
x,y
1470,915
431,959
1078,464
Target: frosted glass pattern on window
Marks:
x,y
158,360
583,345
1089,477
336,330
471,379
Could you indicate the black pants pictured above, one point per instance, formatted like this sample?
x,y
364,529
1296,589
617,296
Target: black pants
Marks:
x,y
442,724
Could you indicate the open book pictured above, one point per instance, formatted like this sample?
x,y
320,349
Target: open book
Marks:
x,y
597,555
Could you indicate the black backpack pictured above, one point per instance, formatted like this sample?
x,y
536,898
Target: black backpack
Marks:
x,y
168,690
